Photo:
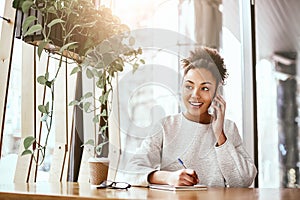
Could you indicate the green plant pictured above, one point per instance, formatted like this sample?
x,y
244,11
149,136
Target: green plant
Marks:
x,y
102,63
92,37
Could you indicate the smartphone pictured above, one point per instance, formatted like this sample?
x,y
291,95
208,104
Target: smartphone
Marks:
x,y
211,110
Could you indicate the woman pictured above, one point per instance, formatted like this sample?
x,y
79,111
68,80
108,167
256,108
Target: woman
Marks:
x,y
209,145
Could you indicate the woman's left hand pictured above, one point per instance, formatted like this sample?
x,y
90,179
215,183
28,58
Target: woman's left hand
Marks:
x,y
218,117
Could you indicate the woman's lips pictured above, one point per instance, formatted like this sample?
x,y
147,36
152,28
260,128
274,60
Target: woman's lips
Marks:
x,y
195,104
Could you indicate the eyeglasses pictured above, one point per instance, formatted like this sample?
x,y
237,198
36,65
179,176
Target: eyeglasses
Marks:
x,y
114,185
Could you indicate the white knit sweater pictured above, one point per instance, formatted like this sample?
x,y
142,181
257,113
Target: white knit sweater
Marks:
x,y
194,143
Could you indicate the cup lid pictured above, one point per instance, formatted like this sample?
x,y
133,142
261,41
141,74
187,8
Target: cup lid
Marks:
x,y
101,159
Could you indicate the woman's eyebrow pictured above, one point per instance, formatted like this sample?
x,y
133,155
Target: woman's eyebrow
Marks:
x,y
203,83
207,82
189,81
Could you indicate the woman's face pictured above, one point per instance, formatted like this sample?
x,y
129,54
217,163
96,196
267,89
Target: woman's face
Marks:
x,y
198,89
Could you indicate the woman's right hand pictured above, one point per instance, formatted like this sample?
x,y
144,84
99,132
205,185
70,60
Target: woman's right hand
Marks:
x,y
183,177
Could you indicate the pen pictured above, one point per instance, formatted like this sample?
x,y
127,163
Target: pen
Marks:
x,y
181,162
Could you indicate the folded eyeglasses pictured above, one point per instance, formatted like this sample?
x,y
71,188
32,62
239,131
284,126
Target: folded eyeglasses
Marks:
x,y
114,185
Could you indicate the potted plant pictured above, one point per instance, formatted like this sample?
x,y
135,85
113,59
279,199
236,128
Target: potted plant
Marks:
x,y
102,63
92,37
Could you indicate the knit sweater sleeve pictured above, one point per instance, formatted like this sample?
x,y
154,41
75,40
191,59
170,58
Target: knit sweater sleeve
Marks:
x,y
234,162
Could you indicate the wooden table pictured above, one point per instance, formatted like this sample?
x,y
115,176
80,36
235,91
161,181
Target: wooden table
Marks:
x,y
43,191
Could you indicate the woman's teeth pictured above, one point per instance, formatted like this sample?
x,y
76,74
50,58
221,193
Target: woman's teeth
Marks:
x,y
196,103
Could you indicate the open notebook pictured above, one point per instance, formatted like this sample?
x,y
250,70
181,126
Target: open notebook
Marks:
x,y
175,188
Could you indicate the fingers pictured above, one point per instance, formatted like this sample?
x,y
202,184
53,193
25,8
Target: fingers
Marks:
x,y
219,106
220,101
187,177
218,117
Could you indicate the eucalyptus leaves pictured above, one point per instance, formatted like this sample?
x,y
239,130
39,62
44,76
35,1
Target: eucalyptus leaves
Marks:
x,y
93,38
101,63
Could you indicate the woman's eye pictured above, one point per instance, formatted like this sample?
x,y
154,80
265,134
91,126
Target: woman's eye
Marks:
x,y
188,87
205,89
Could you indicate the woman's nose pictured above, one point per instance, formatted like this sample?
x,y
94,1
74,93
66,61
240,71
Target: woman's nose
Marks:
x,y
195,92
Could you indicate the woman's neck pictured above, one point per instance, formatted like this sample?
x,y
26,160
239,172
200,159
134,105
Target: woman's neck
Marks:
x,y
204,118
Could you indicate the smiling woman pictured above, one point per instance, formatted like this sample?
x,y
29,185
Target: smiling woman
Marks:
x,y
179,16
213,154
199,86
204,71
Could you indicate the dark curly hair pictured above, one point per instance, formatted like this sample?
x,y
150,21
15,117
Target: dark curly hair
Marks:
x,y
208,58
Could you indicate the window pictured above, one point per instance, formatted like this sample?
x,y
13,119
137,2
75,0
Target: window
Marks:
x,y
12,127
158,16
